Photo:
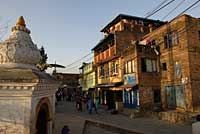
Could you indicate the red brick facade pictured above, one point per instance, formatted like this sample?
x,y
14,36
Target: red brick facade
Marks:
x,y
179,65
108,53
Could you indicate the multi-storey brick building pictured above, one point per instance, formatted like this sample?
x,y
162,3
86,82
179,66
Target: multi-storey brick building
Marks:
x,y
141,86
179,43
118,35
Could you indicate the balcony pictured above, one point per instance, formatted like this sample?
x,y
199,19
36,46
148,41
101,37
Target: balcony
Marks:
x,y
108,53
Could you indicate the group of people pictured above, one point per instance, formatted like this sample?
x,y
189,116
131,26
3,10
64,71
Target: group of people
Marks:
x,y
89,102
61,95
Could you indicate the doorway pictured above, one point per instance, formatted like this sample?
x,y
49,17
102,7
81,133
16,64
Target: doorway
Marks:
x,y
42,119
175,96
170,97
180,96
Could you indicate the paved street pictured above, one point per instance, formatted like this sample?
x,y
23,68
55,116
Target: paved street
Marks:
x,y
67,114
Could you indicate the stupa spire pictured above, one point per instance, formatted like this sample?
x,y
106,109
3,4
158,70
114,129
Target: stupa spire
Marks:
x,y
20,26
21,21
19,50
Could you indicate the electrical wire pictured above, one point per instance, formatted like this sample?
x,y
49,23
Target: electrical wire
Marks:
x,y
194,7
154,13
4,29
67,69
122,65
153,10
109,72
179,4
69,65
189,7
159,9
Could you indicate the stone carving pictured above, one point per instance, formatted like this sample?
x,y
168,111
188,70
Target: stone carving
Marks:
x,y
19,47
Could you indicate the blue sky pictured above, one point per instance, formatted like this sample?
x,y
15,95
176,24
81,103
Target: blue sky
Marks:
x,y
69,29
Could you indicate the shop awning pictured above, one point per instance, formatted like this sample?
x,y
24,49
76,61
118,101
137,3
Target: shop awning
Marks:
x,y
108,85
134,86
105,85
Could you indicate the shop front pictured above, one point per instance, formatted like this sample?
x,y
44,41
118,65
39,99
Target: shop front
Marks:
x,y
109,95
131,97
130,91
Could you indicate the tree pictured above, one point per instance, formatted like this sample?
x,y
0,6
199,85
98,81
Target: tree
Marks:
x,y
42,66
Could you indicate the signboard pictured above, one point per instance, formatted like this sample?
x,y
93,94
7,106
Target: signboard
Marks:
x,y
129,79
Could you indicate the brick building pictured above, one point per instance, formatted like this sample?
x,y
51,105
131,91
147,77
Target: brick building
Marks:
x,y
179,44
118,35
141,87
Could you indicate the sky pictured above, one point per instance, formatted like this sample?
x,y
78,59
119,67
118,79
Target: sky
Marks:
x,y
69,29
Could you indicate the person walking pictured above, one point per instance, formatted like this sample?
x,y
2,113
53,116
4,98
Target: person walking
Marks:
x,y
86,101
90,105
96,104
58,95
79,103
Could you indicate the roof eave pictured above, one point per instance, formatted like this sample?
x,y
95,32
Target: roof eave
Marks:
x,y
103,40
122,16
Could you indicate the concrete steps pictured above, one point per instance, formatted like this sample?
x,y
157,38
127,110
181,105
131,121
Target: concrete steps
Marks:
x,y
175,116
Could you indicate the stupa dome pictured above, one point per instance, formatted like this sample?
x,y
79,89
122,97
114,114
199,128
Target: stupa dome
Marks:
x,y
19,50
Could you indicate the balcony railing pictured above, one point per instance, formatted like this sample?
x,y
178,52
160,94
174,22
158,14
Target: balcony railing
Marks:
x,y
105,54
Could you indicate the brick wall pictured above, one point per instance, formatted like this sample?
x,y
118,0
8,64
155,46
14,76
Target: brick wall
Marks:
x,y
146,97
123,40
185,53
193,25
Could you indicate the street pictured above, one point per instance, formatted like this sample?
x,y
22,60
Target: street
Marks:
x,y
66,114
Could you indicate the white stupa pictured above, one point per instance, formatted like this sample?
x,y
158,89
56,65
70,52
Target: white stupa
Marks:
x,y
26,94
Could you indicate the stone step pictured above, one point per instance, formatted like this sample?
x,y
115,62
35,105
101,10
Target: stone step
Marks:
x,y
175,117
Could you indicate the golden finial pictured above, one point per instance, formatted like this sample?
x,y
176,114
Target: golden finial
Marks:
x,y
20,21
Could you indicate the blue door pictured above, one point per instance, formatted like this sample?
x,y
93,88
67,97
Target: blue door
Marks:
x,y
130,98
170,97
134,98
180,96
